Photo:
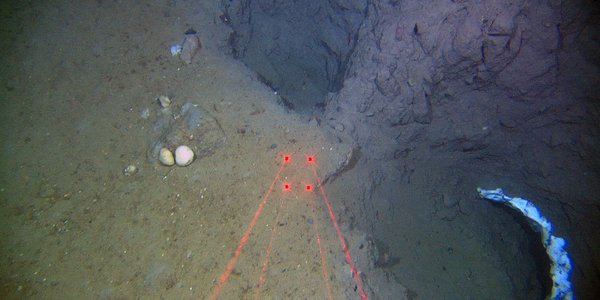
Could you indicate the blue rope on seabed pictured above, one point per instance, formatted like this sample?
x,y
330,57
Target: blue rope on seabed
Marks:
x,y
555,246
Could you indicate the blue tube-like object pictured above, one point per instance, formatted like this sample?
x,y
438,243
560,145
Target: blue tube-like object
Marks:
x,y
555,246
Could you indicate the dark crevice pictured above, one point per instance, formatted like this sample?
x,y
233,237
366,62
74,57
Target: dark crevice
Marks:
x,y
299,50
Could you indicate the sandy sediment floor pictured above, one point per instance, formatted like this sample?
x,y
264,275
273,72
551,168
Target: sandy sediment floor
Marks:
x,y
77,77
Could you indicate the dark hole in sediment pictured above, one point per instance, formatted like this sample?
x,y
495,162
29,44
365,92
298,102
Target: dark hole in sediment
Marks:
x,y
299,49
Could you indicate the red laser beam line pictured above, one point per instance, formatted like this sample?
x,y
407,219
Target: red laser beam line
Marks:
x,y
355,276
326,279
268,250
225,275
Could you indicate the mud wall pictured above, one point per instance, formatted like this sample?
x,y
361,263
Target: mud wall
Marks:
x,y
508,89
299,48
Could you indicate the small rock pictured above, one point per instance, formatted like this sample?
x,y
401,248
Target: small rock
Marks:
x,y
164,101
130,170
191,46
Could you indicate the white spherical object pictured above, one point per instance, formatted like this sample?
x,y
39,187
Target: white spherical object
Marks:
x,y
184,156
165,156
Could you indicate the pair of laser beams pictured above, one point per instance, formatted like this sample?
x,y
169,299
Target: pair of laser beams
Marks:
x,y
287,186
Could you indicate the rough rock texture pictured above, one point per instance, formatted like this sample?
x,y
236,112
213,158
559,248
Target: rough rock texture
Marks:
x,y
490,85
506,91
300,48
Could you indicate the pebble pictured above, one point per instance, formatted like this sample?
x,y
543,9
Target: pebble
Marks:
x,y
145,113
130,170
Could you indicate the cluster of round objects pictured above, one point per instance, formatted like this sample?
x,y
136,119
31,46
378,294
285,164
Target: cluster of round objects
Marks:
x,y
183,156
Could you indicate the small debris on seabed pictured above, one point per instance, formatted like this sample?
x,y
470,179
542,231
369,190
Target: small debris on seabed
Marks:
x,y
130,170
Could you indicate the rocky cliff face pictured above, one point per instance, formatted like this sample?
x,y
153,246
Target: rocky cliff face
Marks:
x,y
299,48
508,89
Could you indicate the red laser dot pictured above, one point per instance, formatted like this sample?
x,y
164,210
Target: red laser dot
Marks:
x,y
286,186
308,187
310,159
286,158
